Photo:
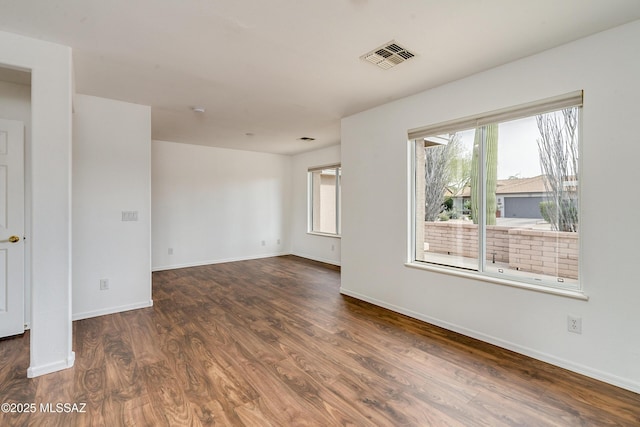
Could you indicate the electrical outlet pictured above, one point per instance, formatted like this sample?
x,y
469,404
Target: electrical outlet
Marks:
x,y
170,251
264,243
278,241
574,324
104,284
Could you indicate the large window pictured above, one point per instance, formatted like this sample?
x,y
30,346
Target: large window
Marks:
x,y
324,200
497,194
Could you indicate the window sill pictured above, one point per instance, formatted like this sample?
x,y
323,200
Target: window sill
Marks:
x,y
568,293
316,233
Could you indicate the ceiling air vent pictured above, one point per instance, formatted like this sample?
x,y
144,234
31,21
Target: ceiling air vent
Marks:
x,y
388,55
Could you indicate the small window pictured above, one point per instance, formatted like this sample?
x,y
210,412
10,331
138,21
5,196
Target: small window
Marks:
x,y
324,200
497,194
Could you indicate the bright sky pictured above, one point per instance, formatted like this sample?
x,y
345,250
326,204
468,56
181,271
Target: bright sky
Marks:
x,y
517,148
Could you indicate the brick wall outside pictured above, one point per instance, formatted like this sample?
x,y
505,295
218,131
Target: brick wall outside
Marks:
x,y
547,252
498,243
452,238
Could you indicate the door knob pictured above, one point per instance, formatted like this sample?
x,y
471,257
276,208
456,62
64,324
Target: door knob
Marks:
x,y
14,239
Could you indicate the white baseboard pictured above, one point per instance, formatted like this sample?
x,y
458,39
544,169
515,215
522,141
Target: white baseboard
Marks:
x,y
553,360
215,261
36,371
111,310
317,258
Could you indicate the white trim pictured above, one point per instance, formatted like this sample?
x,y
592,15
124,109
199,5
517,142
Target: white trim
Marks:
x,y
317,258
318,233
112,310
310,198
36,371
545,289
411,199
320,168
615,380
215,261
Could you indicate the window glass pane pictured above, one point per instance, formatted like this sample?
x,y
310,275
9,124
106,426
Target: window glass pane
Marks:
x,y
324,185
535,234
445,233
502,199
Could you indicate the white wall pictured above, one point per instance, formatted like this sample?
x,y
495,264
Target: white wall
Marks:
x,y
319,248
214,205
15,104
374,246
50,178
111,174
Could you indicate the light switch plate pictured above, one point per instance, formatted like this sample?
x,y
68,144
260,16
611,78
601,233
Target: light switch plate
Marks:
x,y
129,215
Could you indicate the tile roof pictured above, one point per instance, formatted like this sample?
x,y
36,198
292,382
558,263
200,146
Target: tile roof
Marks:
x,y
516,186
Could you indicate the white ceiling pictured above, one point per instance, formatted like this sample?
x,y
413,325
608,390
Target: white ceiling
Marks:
x,y
270,72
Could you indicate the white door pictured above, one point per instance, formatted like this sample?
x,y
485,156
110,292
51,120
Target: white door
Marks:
x,y
11,227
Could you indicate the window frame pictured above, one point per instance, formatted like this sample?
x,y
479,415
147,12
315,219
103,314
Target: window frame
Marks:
x,y
338,200
572,99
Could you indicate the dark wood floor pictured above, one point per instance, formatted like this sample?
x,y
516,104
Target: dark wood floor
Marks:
x,y
271,342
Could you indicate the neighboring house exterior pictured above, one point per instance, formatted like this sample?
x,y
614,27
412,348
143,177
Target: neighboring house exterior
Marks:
x,y
521,197
516,197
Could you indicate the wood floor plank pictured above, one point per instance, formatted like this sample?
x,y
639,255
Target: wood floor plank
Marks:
x,y
271,342
141,326
281,405
169,402
251,414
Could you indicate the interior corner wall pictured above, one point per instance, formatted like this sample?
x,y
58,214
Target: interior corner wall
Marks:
x,y
376,227
213,205
111,175
50,178
312,246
